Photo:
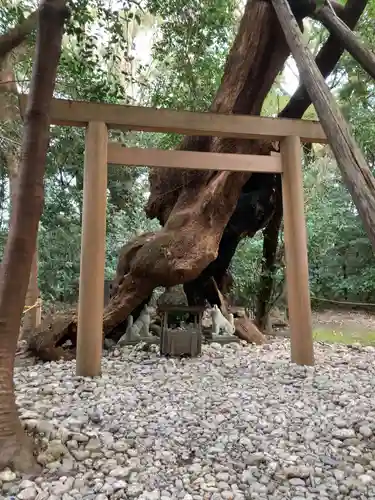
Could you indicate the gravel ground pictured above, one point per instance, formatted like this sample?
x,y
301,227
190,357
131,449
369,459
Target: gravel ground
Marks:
x,y
240,422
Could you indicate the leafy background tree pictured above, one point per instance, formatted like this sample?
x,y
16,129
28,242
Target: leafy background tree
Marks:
x,y
171,54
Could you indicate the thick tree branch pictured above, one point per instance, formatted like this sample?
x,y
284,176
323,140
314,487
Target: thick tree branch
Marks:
x,y
349,40
356,174
326,59
18,34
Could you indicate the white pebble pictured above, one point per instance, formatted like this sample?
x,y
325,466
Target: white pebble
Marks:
x,y
27,494
7,475
365,430
365,478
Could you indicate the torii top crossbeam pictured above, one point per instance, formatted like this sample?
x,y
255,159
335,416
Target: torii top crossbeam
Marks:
x,y
122,117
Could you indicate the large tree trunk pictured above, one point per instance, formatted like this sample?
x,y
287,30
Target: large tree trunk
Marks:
x,y
15,449
246,82
198,209
256,57
195,206
355,172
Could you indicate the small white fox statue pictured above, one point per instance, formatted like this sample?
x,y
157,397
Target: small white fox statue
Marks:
x,y
139,329
220,324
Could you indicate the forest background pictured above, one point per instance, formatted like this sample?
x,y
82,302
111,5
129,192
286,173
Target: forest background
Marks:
x,y
171,54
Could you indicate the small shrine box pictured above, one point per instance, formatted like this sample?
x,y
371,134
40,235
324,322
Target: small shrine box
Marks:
x,y
178,341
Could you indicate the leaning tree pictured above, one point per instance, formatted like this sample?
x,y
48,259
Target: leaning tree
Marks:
x,y
16,448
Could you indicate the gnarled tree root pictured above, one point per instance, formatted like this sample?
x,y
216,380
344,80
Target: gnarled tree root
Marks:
x,y
47,340
160,259
17,452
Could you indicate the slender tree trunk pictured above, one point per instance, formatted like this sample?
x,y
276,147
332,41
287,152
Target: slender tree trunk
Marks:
x,y
15,449
355,172
9,101
12,160
31,318
32,315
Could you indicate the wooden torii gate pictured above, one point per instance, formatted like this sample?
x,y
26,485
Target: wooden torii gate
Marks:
x,y
99,152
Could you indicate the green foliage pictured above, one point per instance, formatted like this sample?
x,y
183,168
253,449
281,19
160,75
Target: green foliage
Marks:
x,y
193,42
96,64
246,268
338,245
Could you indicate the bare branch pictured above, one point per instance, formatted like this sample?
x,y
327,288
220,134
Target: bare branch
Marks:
x,y
18,34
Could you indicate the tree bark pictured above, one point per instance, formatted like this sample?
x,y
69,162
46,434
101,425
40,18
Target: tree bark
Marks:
x,y
16,450
349,40
356,174
18,34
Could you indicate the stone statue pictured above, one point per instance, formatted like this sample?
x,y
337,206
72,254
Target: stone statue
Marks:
x,y
173,296
138,329
220,324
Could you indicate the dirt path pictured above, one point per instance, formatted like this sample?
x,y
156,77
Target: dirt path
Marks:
x,y
340,326
344,321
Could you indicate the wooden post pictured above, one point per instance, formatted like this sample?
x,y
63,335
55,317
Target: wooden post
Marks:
x,y
91,289
297,272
